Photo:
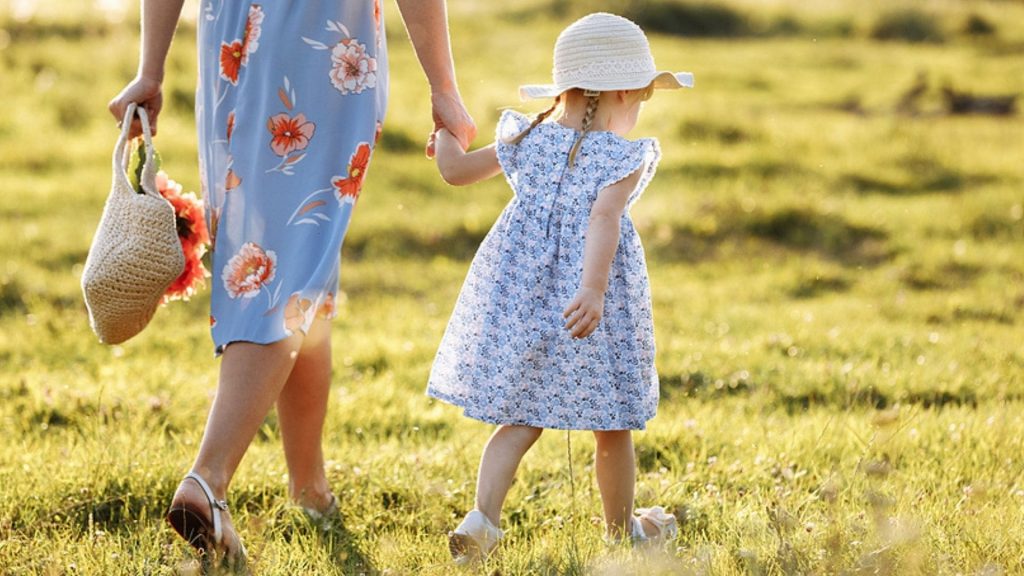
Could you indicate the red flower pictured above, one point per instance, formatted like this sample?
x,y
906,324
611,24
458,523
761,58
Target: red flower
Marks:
x,y
290,133
231,60
232,181
231,124
347,189
253,28
327,307
298,313
249,270
193,235
191,279
353,70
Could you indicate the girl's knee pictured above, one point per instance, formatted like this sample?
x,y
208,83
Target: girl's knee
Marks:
x,y
612,436
523,433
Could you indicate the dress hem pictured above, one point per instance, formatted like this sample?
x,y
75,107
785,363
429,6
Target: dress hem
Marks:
x,y
218,349
547,425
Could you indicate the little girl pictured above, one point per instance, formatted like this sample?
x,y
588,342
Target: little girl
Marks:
x,y
553,326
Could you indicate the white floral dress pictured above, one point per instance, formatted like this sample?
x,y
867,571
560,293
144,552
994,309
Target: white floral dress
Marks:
x,y
505,357
289,105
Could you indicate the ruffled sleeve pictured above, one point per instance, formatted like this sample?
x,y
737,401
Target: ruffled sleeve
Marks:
x,y
643,154
510,125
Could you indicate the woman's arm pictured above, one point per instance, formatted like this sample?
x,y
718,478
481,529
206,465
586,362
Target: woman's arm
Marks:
x,y
459,167
585,311
427,24
159,20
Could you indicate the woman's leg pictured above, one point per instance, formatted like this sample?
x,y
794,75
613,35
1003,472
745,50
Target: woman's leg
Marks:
x,y
498,467
251,378
301,410
616,478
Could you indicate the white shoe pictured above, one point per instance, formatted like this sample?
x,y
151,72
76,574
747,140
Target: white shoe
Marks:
x,y
474,539
665,523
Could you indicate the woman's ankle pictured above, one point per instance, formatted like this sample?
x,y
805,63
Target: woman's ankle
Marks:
x,y
218,483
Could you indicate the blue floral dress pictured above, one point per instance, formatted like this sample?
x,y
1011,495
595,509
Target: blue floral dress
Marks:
x,y
289,105
505,357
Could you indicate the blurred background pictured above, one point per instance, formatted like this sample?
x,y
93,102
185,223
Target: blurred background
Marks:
x,y
836,246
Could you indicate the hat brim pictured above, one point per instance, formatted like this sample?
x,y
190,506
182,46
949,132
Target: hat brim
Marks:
x,y
660,81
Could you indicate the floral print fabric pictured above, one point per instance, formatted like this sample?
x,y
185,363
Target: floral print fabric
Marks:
x,y
505,357
289,106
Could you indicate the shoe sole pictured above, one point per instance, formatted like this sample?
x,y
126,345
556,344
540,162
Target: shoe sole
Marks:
x,y
192,527
463,548
195,529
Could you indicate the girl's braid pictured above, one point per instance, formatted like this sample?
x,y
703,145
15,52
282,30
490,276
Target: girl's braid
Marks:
x,y
540,118
588,118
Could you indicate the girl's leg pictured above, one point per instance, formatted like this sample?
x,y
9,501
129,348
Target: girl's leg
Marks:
x,y
301,410
616,478
251,377
498,467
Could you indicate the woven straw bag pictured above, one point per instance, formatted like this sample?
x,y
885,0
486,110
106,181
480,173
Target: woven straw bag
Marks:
x,y
135,254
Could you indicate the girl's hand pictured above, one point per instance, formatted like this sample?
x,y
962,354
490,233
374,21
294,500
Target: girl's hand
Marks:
x,y
145,92
459,167
449,113
584,313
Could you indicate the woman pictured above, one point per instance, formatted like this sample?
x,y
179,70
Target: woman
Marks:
x,y
289,105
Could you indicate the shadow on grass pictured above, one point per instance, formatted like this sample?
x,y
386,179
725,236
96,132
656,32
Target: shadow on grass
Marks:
x,y
343,548
706,130
765,169
996,226
457,243
701,386
117,508
916,175
12,297
964,313
803,230
946,276
819,284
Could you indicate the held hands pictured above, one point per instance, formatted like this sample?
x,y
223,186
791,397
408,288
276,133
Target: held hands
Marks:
x,y
145,92
449,112
584,313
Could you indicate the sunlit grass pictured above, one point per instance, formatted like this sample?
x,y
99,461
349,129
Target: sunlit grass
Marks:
x,y
838,297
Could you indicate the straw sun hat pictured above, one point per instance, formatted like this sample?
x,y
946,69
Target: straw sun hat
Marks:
x,y
604,52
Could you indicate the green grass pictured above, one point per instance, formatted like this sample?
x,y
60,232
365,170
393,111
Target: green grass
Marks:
x,y
838,291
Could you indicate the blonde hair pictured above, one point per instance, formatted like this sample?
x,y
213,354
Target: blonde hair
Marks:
x,y
593,96
537,120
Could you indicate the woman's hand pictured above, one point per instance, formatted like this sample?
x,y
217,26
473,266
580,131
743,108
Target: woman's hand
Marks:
x,y
584,313
145,92
449,113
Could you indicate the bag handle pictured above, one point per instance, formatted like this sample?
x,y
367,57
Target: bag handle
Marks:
x,y
122,154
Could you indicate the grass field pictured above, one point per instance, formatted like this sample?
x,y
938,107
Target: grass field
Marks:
x,y
838,287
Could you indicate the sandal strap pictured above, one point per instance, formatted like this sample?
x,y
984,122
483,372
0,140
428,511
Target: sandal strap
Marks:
x,y
215,505
638,530
662,520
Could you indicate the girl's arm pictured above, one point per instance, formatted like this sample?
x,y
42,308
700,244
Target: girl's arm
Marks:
x,y
427,24
459,167
159,19
584,313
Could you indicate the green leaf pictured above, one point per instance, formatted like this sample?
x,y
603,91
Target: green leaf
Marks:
x,y
137,161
